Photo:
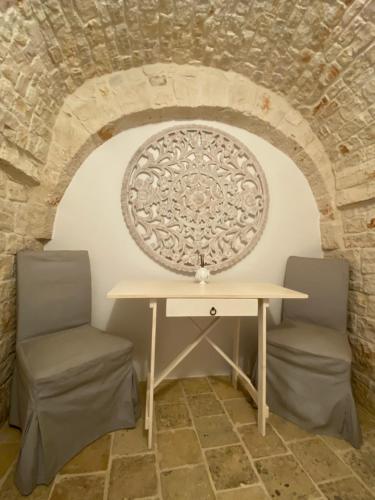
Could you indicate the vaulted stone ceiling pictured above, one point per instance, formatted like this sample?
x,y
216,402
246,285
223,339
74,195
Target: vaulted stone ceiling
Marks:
x,y
319,55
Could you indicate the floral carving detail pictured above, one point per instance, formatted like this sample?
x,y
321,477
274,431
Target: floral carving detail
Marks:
x,y
194,190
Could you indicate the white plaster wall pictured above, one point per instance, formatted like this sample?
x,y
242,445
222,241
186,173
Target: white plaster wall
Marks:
x,y
89,217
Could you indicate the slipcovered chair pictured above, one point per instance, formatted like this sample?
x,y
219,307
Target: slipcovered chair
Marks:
x,y
72,382
308,354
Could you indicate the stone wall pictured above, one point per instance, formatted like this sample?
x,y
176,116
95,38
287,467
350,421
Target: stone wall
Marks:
x,y
300,74
14,198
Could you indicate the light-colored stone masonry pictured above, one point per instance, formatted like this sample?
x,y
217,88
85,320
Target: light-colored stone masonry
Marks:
x,y
300,74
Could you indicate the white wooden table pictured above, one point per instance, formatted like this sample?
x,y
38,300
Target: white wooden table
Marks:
x,y
215,299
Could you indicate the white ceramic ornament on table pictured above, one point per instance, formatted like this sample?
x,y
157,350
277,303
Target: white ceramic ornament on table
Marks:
x,y
202,274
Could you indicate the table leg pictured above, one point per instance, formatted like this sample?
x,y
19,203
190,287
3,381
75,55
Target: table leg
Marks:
x,y
262,360
236,351
150,413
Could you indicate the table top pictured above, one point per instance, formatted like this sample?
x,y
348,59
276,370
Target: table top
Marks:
x,y
188,289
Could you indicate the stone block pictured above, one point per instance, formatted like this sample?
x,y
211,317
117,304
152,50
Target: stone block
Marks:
x,y
7,345
21,215
352,255
41,221
186,87
356,194
371,306
16,191
18,165
6,368
7,316
368,260
370,402
161,96
364,390
6,219
363,355
214,88
354,176
352,322
369,283
4,401
6,267
355,275
242,94
360,240
7,290
14,243
331,234
366,328
357,302
354,223
69,132
90,113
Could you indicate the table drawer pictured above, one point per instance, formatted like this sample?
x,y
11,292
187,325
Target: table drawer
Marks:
x,y
211,307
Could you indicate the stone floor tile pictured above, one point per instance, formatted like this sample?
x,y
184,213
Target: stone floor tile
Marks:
x,y
204,405
9,491
9,434
132,477
230,467
318,459
79,487
176,448
240,411
172,416
169,391
345,489
366,419
186,483
196,385
287,430
370,439
8,454
130,441
93,458
285,479
261,446
337,444
224,389
215,431
363,463
255,492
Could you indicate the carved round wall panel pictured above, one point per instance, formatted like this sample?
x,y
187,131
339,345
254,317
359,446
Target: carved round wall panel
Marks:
x,y
193,190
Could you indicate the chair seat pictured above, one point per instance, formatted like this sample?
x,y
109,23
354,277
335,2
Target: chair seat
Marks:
x,y
47,356
311,338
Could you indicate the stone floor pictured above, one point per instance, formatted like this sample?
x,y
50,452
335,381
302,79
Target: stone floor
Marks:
x,y
207,447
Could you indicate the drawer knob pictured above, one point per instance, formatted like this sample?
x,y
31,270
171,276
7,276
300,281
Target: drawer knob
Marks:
x,y
213,311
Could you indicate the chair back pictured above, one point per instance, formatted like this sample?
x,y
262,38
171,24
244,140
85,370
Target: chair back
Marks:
x,y
53,291
327,282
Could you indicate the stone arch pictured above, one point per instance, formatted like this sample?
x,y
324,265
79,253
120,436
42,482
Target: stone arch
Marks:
x,y
107,105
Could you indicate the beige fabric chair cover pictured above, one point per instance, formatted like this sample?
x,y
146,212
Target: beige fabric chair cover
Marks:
x,y
72,382
308,354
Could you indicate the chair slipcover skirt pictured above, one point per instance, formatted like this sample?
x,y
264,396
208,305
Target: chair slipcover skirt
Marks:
x,y
59,415
312,391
